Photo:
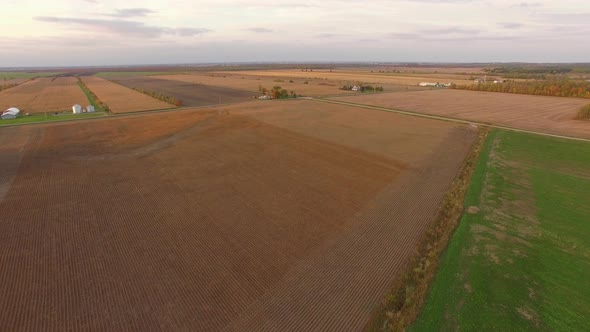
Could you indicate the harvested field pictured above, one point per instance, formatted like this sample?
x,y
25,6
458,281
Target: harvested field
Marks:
x,y
252,83
44,95
13,81
420,69
553,115
368,78
230,218
189,93
121,99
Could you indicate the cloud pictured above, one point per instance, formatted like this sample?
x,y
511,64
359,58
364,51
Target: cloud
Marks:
x,y
131,12
527,4
510,25
327,35
450,30
123,27
259,30
451,34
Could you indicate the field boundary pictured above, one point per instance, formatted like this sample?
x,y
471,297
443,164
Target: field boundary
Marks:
x,y
445,118
92,98
409,291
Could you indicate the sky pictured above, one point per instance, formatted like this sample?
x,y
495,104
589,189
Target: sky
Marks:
x,y
110,32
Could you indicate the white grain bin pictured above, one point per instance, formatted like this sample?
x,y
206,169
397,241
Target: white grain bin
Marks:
x,y
10,113
77,109
90,109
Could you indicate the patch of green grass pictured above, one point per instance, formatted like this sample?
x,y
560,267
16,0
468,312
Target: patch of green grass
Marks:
x,y
90,96
523,261
49,117
9,75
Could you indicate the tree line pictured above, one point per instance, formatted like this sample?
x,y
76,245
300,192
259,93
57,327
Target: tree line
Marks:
x,y
7,86
584,113
277,92
158,95
363,88
557,88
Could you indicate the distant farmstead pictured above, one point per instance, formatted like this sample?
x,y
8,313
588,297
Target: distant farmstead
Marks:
x,y
10,113
435,85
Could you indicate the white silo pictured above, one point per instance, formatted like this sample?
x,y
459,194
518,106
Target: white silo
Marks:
x,y
77,109
90,109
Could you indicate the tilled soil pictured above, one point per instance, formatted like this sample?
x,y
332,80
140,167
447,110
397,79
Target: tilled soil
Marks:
x,y
44,95
189,94
121,99
227,219
552,115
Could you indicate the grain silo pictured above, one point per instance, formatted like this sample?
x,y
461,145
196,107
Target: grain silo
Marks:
x,y
77,109
90,109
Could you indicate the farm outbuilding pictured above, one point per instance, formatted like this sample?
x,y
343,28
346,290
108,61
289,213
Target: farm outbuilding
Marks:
x,y
77,109
90,109
10,113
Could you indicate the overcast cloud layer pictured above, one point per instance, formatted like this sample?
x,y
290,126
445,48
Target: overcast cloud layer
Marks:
x,y
107,32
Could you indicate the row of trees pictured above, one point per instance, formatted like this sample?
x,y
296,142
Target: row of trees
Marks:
x,y
559,88
7,86
584,113
539,72
277,92
363,88
158,95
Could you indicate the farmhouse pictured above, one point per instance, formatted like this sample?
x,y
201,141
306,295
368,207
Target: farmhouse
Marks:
x,y
428,84
435,85
10,113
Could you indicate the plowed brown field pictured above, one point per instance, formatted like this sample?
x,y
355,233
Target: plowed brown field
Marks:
x,y
44,95
121,99
552,115
260,216
189,93
252,83
352,76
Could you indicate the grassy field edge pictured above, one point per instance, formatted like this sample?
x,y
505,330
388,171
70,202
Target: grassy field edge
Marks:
x,y
408,293
92,98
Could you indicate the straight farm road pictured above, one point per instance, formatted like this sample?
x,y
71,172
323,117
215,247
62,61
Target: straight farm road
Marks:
x,y
448,119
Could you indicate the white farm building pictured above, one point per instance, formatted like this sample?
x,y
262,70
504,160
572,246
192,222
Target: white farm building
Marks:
x,y
10,113
90,109
77,109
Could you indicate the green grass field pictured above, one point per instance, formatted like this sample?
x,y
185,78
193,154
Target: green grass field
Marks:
x,y
522,262
8,75
49,117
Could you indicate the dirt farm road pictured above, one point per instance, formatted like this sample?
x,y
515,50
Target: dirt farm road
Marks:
x,y
444,118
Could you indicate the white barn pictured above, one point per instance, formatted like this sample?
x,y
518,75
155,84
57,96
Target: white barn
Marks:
x,y
10,113
77,109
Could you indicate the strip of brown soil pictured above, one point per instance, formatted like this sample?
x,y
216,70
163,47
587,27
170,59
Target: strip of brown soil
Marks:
x,y
226,218
407,296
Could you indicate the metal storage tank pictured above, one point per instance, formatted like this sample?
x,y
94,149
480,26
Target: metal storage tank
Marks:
x,y
77,109
90,109
10,113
